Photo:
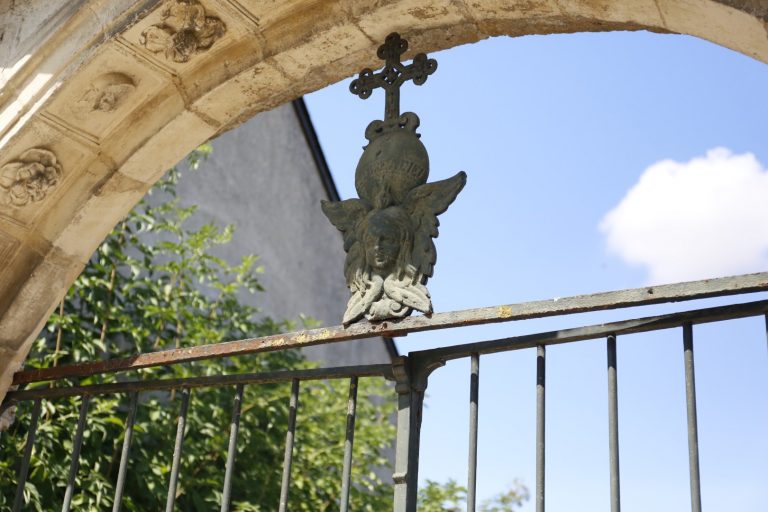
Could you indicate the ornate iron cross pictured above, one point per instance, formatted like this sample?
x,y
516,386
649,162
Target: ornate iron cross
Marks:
x,y
394,74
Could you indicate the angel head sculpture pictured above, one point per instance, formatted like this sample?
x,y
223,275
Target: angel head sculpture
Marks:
x,y
388,231
387,239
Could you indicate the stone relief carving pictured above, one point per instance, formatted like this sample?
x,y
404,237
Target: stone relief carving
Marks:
x,y
107,92
29,178
388,232
184,31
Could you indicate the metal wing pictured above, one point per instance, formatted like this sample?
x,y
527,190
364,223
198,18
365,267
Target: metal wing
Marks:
x,y
346,216
425,203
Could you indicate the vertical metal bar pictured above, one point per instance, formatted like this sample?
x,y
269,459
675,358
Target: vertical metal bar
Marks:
x,y
474,388
766,327
346,472
124,456
24,469
613,424
693,435
411,378
541,367
409,403
76,446
180,427
289,439
234,426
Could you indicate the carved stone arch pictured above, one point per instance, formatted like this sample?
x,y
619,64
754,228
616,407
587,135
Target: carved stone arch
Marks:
x,y
104,96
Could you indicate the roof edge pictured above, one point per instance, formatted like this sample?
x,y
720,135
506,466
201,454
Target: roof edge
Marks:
x,y
305,121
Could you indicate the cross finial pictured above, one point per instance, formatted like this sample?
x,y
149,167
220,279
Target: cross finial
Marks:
x,y
394,74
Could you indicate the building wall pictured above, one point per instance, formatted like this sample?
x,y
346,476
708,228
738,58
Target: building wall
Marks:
x,y
264,178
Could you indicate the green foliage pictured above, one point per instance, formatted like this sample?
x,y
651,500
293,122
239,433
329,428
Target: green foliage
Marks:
x,y
437,497
155,283
507,501
450,497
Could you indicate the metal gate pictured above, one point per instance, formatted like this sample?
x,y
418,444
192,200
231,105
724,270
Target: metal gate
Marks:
x,y
410,375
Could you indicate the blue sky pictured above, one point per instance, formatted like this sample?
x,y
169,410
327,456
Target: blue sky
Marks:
x,y
555,132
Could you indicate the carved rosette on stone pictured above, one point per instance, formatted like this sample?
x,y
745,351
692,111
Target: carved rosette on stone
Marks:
x,y
29,178
388,231
184,31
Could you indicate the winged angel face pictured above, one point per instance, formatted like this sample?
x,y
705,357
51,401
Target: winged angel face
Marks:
x,y
388,232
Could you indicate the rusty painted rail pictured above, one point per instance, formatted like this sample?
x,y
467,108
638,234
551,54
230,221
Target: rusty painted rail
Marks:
x,y
749,283
442,355
211,381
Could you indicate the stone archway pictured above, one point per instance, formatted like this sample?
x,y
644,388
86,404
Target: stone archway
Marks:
x,y
99,98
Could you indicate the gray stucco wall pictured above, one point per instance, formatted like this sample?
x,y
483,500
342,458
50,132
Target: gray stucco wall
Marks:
x,y
261,177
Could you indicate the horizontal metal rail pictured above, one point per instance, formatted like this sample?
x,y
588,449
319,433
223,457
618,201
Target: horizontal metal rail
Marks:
x,y
749,283
340,372
652,323
647,324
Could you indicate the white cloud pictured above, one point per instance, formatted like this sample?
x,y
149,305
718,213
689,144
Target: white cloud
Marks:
x,y
694,220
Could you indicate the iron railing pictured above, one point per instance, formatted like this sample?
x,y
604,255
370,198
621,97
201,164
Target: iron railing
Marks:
x,y
410,374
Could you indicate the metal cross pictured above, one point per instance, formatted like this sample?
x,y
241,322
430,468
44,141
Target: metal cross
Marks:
x,y
393,75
